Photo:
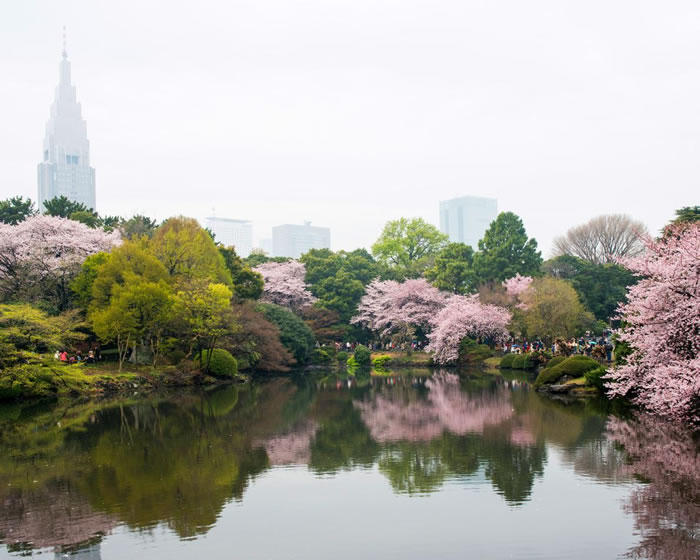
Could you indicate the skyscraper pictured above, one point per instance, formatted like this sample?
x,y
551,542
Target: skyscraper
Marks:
x,y
465,219
238,233
65,167
293,241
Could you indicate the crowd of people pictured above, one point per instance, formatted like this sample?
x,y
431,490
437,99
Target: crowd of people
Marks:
x,y
600,347
90,358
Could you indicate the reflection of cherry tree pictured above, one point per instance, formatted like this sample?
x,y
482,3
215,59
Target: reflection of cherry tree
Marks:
x,y
55,515
292,448
667,508
446,408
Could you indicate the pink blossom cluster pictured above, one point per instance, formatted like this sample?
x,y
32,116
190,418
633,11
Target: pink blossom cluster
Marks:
x,y
390,417
465,316
285,284
49,246
662,325
388,304
517,285
665,508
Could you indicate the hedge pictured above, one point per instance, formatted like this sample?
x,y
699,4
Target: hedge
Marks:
x,y
221,363
555,361
575,366
507,361
522,361
362,355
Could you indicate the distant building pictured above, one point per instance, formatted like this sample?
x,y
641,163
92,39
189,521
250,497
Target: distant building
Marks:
x,y
294,240
266,245
229,232
465,219
65,167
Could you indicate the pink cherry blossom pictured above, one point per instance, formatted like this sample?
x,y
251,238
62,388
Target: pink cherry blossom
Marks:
x,y
285,284
662,325
517,285
47,248
465,316
388,304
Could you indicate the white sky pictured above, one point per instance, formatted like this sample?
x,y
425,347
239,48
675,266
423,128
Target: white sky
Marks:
x,y
352,112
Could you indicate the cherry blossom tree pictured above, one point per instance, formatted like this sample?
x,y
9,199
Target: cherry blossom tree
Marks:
x,y
517,285
662,326
285,284
42,254
465,316
388,305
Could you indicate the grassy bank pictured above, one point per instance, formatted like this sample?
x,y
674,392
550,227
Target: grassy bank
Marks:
x,y
45,377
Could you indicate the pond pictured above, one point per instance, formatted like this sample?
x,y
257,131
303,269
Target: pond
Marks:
x,y
407,466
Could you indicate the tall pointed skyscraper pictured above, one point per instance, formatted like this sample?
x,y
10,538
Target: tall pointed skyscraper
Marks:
x,y
65,169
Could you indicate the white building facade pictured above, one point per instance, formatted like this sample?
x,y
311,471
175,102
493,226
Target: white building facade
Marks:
x,y
466,219
230,232
293,241
65,167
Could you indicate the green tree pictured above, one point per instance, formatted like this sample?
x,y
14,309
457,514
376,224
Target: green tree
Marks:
x,y
338,280
138,312
15,210
552,309
130,261
600,287
26,328
81,286
407,245
87,217
506,251
110,223
204,312
295,335
453,270
188,251
63,207
138,226
247,284
687,215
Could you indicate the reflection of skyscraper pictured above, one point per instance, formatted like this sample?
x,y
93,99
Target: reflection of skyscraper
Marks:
x,y
65,167
465,219
229,232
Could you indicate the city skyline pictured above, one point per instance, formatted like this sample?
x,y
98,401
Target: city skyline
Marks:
x,y
354,135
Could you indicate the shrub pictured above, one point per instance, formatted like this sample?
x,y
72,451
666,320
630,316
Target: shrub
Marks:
x,y
320,356
595,379
522,361
42,380
221,363
507,361
555,361
575,366
176,356
295,334
342,357
362,355
472,352
380,362
539,357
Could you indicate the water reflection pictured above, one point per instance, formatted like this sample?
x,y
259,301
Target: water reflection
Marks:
x,y
72,472
666,508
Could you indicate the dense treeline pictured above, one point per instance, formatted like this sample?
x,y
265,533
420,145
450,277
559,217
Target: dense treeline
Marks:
x,y
169,294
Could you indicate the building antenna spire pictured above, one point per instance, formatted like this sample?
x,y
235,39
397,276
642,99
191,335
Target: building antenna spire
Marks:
x,y
65,53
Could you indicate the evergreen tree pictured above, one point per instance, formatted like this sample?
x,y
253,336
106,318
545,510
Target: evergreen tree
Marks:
x,y
506,251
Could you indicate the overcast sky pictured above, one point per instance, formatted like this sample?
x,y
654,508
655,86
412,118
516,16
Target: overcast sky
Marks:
x,y
350,113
